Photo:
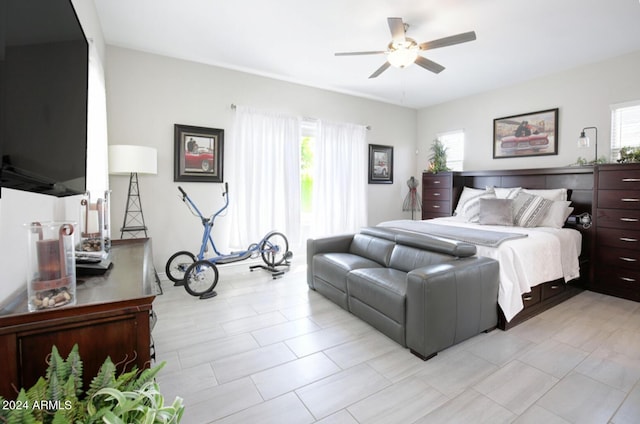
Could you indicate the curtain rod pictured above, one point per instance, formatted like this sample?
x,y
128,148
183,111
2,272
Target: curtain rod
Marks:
x,y
233,107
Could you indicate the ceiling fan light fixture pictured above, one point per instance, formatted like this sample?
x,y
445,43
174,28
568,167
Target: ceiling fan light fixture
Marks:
x,y
403,57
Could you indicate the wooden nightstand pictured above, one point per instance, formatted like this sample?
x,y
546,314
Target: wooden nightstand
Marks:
x,y
437,195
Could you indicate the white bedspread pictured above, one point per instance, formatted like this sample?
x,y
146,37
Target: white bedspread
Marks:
x,y
546,254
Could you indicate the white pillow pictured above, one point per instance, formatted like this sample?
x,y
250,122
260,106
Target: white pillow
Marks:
x,y
529,210
556,215
471,208
467,193
550,194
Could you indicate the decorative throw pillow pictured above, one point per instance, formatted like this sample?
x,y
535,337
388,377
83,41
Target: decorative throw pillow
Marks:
x,y
507,193
471,208
496,212
529,210
467,193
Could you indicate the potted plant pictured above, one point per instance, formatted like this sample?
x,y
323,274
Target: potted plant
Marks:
x,y
438,158
58,397
629,154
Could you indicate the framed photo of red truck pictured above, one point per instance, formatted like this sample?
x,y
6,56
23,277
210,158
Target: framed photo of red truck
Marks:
x,y
198,154
529,134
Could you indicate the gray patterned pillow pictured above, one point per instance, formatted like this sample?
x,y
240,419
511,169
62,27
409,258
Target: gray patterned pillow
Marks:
x,y
529,210
471,209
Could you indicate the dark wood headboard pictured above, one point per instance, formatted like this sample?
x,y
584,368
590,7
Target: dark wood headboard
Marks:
x,y
578,181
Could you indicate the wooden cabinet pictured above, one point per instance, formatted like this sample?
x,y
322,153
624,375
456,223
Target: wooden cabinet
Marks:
x,y
111,318
437,195
617,221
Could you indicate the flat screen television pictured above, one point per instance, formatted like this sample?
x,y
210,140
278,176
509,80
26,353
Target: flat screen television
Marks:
x,y
44,72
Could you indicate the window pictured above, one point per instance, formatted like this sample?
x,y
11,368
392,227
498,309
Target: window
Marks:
x,y
308,132
625,127
453,141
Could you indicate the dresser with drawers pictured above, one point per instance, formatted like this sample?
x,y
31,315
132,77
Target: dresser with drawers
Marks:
x,y
617,222
437,195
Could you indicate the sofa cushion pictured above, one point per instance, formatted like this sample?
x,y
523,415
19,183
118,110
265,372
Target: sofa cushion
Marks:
x,y
405,258
383,289
373,248
332,268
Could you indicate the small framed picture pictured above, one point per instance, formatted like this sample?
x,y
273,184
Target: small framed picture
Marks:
x,y
530,134
198,154
380,164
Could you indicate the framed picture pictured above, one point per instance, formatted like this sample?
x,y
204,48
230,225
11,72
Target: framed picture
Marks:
x,y
380,164
530,134
198,154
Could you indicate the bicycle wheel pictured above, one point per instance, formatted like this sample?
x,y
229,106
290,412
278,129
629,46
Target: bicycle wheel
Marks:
x,y
274,249
178,264
200,278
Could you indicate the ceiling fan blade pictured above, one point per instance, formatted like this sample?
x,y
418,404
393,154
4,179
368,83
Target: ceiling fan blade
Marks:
x,y
380,70
429,65
359,53
448,41
397,30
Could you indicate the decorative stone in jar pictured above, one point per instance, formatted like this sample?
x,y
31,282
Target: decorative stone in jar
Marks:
x,y
51,269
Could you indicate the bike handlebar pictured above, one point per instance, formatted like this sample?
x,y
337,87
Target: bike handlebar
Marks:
x,y
226,188
184,194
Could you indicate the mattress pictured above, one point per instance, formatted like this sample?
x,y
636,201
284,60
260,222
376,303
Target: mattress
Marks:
x,y
545,254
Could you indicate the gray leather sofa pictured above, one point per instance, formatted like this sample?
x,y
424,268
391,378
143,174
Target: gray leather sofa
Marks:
x,y
426,293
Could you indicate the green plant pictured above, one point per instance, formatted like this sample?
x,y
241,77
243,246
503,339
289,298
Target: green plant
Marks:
x,y
438,158
583,161
58,398
629,154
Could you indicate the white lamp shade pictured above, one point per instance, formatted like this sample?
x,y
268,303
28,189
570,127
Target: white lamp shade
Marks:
x,y
583,141
125,159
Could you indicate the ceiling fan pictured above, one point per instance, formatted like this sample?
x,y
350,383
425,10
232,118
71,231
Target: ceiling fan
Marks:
x,y
402,51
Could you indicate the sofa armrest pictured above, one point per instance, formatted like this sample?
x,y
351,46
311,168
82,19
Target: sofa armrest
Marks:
x,y
337,244
450,302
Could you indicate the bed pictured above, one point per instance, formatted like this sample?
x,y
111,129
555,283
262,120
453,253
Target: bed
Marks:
x,y
540,265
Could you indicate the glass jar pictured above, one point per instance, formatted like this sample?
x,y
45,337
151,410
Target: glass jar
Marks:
x,y
51,266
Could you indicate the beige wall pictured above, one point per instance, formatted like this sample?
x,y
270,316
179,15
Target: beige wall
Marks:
x,y
147,94
583,96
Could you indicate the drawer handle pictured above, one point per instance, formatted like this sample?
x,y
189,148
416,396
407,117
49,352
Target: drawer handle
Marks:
x,y
628,239
622,258
627,279
436,182
527,297
629,219
436,206
436,194
554,287
630,180
630,199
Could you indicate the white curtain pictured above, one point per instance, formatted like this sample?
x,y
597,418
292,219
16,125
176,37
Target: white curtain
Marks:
x,y
265,176
340,180
97,172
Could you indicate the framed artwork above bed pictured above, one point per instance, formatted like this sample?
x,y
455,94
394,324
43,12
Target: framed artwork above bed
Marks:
x,y
529,134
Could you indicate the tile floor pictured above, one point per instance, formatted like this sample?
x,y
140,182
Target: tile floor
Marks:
x,y
271,351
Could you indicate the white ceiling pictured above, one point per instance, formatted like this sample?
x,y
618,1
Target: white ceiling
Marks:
x,y
295,40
